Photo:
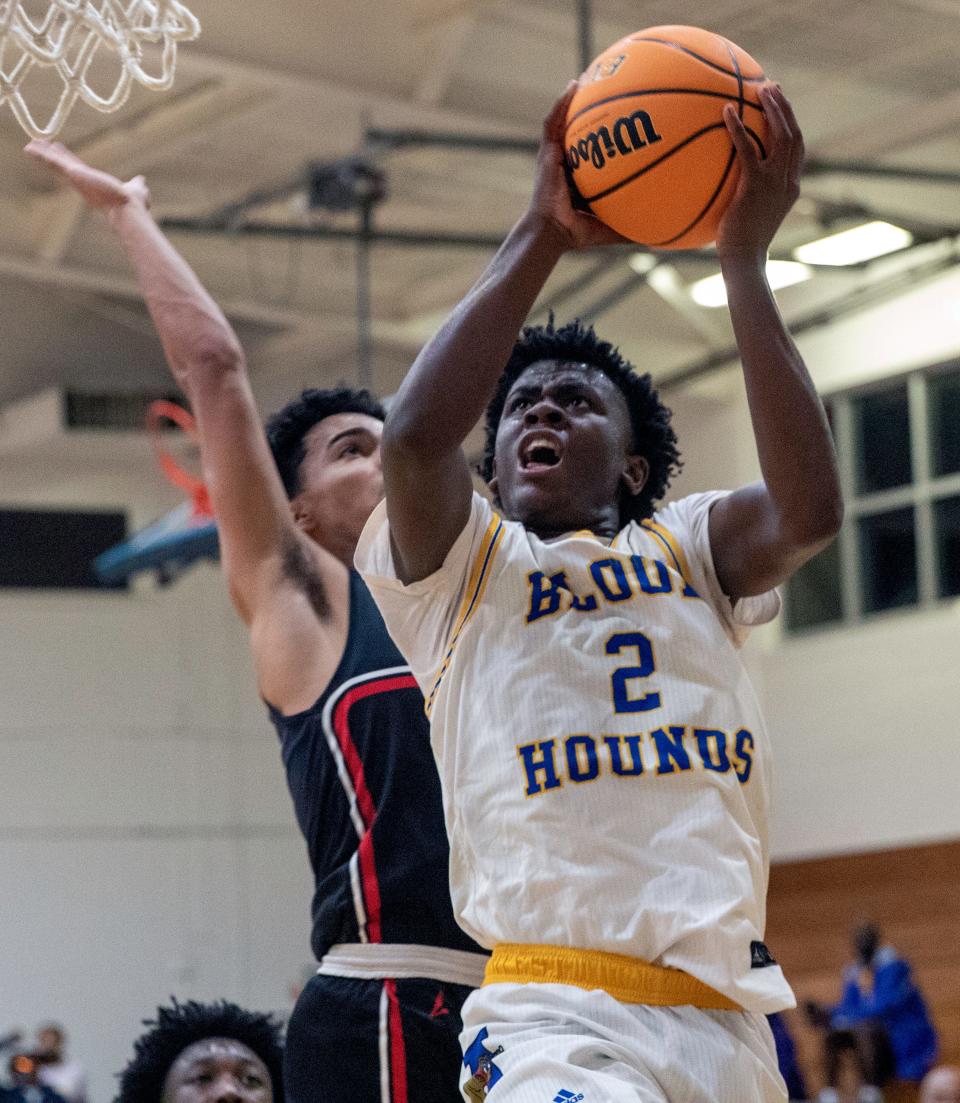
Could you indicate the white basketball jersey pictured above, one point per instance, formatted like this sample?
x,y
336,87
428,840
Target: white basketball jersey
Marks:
x,y
606,774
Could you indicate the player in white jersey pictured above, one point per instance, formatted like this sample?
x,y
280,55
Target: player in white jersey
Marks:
x,y
605,767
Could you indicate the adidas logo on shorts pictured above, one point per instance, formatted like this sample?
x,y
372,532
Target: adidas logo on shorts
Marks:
x,y
563,1096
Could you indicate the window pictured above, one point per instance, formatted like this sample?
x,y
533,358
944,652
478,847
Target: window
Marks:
x,y
882,440
899,449
947,527
55,549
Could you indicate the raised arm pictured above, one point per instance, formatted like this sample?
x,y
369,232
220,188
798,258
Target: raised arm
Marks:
x,y
258,537
446,391
762,533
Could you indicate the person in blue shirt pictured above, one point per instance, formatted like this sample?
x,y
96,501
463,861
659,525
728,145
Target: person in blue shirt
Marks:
x,y
879,988
787,1056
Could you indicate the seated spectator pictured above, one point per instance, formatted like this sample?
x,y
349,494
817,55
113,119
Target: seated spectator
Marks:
x,y
879,990
846,1072
203,1053
787,1057
67,1078
941,1085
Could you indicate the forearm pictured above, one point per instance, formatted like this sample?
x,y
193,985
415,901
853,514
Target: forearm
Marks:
x,y
197,339
205,358
453,378
794,443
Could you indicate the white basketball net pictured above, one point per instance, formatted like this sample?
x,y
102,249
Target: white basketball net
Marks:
x,y
68,38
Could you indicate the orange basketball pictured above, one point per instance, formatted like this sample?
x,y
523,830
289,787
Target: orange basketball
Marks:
x,y
646,144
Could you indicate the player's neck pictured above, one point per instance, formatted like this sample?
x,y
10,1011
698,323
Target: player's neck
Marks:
x,y
340,545
605,530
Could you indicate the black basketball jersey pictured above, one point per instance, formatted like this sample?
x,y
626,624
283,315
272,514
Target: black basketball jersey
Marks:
x,y
367,797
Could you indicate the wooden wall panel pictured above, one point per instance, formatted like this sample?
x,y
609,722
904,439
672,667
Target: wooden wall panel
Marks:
x,y
913,894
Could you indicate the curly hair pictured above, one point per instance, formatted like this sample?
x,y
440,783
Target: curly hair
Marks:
x,y
177,1027
577,344
288,427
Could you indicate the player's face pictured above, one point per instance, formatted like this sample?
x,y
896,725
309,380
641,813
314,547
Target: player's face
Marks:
x,y
341,481
218,1070
563,453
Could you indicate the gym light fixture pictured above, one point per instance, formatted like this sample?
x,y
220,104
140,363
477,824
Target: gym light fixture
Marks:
x,y
781,273
856,245
643,263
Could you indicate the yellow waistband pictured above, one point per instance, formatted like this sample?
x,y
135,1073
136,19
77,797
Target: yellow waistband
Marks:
x,y
627,979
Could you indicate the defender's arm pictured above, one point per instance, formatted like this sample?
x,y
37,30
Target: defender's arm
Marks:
x,y
258,537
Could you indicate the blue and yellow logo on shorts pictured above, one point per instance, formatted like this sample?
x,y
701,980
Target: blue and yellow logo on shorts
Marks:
x,y
479,1060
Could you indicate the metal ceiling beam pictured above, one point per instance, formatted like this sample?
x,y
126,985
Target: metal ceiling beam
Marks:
x,y
408,239
585,33
404,238
821,166
393,138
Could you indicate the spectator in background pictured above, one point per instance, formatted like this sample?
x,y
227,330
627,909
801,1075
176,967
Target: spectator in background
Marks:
x,y
787,1057
205,1053
941,1085
65,1077
846,1072
25,1086
878,988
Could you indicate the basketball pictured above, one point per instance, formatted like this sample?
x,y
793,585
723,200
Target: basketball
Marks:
x,y
646,144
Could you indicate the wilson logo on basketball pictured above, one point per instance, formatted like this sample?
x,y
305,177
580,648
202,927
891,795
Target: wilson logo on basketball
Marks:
x,y
607,68
627,135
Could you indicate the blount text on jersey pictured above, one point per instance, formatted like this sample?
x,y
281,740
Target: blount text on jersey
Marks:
x,y
616,579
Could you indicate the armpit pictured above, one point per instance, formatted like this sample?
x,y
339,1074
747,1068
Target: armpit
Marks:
x,y
300,568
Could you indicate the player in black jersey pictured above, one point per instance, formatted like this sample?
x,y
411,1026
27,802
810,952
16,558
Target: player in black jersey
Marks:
x,y
381,1019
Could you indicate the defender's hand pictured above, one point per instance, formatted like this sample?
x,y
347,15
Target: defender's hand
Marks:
x,y
551,200
98,189
768,186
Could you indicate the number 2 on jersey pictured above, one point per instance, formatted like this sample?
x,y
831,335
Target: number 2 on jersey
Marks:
x,y
622,676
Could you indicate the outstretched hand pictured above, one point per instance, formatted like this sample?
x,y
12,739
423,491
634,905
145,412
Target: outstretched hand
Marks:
x,y
98,189
768,186
551,194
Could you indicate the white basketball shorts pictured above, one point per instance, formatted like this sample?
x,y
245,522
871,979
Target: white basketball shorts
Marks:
x,y
553,1043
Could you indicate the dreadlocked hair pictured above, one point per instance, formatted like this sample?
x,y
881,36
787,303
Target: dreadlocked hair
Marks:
x,y
288,427
177,1027
575,344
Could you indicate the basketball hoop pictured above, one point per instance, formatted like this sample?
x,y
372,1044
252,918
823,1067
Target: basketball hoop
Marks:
x,y
185,535
193,485
71,35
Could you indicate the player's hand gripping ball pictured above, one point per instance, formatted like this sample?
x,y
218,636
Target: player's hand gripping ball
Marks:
x,y
646,144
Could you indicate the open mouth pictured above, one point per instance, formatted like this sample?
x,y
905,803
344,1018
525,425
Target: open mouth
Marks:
x,y
540,453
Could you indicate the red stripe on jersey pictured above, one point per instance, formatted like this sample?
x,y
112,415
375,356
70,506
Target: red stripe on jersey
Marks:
x,y
342,728
368,810
398,1049
371,888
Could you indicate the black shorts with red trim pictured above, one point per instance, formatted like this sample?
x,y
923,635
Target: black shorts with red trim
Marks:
x,y
374,1041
